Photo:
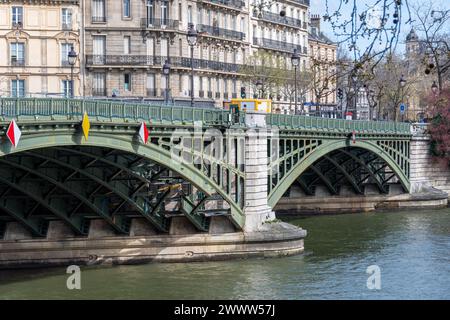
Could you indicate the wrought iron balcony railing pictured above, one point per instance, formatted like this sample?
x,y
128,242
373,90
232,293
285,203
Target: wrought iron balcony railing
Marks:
x,y
99,92
276,45
236,4
136,60
67,26
220,32
304,2
152,23
151,92
98,19
276,18
18,62
17,25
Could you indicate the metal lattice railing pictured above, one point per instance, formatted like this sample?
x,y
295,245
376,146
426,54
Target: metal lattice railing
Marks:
x,y
304,122
40,107
23,108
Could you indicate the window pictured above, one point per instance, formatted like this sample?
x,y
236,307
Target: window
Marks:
x,y
164,13
65,49
17,54
99,84
243,26
66,19
189,13
99,49
17,88
180,16
127,82
151,89
67,88
150,12
17,16
233,23
200,16
126,45
126,9
98,11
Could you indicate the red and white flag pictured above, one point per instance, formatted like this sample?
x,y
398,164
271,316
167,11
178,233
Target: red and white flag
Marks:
x,y
14,133
143,132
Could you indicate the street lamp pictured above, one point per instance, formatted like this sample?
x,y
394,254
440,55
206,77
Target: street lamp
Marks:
x,y
355,95
72,59
259,86
434,87
402,83
295,59
192,37
166,72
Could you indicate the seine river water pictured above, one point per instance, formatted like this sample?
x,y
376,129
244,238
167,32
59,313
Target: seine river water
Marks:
x,y
412,250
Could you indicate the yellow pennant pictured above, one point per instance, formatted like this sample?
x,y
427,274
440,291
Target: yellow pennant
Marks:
x,y
86,125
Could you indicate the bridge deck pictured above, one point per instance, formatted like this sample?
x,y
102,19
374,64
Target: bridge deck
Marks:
x,y
33,108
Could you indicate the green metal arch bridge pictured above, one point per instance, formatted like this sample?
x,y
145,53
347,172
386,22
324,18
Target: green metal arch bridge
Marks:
x,y
54,173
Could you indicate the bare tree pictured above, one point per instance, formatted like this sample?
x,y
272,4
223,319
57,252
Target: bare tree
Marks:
x,y
433,25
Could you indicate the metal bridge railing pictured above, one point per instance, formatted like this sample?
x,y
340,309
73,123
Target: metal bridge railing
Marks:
x,y
304,122
30,108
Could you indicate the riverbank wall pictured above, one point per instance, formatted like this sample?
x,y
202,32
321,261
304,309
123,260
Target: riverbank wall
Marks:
x,y
183,244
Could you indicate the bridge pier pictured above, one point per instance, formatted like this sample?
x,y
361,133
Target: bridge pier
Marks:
x,y
256,210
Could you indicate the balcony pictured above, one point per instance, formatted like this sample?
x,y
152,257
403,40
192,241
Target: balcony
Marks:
x,y
276,45
220,32
233,4
17,62
276,18
99,92
151,92
98,19
67,26
182,62
121,60
304,2
17,25
152,23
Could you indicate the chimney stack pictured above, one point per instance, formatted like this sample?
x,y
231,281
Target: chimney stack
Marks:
x,y
315,22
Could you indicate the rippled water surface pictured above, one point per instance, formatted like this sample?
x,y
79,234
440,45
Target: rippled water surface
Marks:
x,y
412,250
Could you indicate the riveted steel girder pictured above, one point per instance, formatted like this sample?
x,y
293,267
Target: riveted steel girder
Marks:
x,y
78,190
191,211
33,191
17,209
120,189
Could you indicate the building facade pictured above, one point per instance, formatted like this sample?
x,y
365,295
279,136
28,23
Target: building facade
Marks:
x,y
127,42
323,56
122,46
35,39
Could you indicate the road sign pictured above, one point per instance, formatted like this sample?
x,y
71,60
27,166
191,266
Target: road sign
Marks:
x,y
402,108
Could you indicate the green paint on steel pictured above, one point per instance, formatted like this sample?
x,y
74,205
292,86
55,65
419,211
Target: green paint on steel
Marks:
x,y
126,143
325,148
191,211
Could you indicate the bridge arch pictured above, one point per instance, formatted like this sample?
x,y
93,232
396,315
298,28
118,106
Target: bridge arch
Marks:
x,y
325,149
126,142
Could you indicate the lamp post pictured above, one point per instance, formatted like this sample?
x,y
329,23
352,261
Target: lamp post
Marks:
x,y
355,95
402,83
295,59
192,37
72,59
259,86
166,72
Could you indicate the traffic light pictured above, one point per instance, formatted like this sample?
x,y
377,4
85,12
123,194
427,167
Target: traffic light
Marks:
x,y
340,94
243,94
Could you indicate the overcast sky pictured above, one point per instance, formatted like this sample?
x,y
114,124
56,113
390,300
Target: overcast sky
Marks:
x,y
319,7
